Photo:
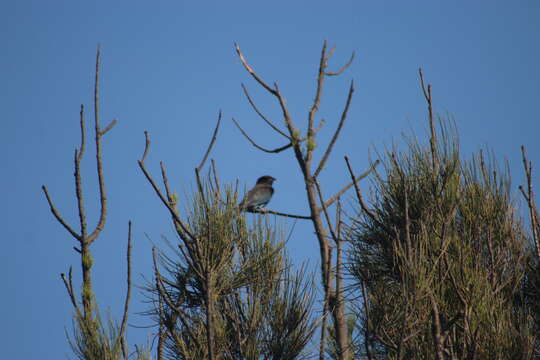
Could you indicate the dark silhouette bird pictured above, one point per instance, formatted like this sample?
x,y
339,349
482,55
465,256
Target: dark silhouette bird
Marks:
x,y
260,195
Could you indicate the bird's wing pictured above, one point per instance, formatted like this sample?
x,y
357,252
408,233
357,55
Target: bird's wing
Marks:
x,y
259,195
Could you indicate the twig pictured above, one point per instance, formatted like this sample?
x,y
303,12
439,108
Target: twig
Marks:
x,y
433,138
146,147
122,334
57,215
359,196
357,179
252,103
216,177
266,211
165,181
343,68
277,150
316,103
531,204
69,288
78,178
336,134
325,211
293,132
158,191
214,137
108,127
252,72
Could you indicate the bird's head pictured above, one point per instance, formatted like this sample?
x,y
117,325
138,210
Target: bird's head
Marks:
x,y
267,179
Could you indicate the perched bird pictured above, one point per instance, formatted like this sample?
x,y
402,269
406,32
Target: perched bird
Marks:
x,y
260,195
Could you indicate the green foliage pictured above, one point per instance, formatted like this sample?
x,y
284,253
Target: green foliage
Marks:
x,y
443,258
259,308
93,341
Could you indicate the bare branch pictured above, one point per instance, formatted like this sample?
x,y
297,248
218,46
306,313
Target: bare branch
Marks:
x,y
252,72
165,181
277,150
316,102
261,115
122,334
325,211
69,288
83,134
214,137
216,177
531,204
359,196
58,217
357,179
433,138
336,134
78,178
108,127
158,191
102,193
343,68
146,147
293,132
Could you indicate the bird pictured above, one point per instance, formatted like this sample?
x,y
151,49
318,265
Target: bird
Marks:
x,y
259,196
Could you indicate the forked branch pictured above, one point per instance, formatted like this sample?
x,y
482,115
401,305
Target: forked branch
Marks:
x,y
158,192
343,68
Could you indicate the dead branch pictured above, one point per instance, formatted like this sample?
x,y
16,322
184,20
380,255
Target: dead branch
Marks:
x,y
323,62
98,136
214,137
78,178
265,119
146,147
69,287
252,72
359,196
160,194
336,134
355,180
277,150
433,138
343,68
122,334
325,211
293,132
266,211
531,204
58,216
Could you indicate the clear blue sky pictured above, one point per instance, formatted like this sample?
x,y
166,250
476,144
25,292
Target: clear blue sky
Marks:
x,y
169,66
